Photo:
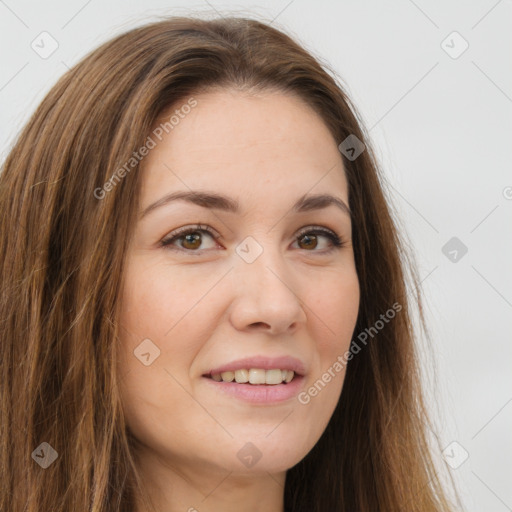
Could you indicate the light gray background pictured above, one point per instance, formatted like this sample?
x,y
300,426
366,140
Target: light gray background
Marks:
x,y
443,133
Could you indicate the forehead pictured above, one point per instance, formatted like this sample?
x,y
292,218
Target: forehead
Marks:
x,y
245,142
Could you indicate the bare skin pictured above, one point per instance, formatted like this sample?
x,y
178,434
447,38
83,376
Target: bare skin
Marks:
x,y
203,305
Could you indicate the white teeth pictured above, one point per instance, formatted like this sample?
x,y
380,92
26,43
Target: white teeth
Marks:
x,y
227,376
255,376
273,377
242,376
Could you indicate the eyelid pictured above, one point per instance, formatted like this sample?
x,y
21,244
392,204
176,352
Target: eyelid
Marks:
x,y
190,228
308,229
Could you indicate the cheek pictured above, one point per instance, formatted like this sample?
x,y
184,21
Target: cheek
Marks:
x,y
172,308
158,299
333,315
334,309
160,305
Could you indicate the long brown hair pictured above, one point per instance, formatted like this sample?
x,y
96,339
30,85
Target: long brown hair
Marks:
x,y
62,252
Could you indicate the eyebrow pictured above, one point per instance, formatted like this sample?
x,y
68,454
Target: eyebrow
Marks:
x,y
215,201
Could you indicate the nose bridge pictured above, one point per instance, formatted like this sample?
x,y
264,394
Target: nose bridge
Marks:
x,y
264,287
258,263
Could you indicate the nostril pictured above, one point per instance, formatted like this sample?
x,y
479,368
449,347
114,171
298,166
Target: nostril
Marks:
x,y
260,324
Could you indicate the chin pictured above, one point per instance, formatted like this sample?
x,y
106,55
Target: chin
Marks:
x,y
268,454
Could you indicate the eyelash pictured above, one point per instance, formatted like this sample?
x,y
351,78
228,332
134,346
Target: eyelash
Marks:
x,y
336,241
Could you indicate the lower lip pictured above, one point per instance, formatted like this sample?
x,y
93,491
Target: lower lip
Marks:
x,y
260,393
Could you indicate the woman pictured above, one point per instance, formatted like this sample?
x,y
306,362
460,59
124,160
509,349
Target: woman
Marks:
x,y
203,300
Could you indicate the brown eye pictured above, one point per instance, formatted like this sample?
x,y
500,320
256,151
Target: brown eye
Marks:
x,y
191,241
312,238
309,241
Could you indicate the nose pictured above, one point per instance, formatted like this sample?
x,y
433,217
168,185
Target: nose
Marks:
x,y
266,295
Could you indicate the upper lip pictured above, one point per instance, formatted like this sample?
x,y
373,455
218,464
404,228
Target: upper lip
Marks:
x,y
262,362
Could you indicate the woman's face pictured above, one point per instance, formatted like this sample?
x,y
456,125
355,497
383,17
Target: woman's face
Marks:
x,y
266,283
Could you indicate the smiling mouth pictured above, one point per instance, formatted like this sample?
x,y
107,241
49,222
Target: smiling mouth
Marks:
x,y
255,376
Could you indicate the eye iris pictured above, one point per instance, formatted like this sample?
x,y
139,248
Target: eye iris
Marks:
x,y
194,239
309,239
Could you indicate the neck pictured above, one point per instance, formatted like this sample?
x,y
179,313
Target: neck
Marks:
x,y
199,486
